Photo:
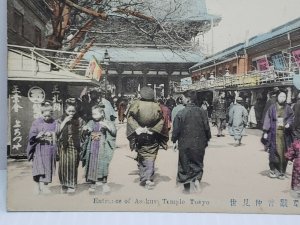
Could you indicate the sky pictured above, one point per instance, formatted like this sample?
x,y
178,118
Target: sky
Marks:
x,y
247,18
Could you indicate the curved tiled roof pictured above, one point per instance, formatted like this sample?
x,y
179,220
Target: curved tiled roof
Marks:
x,y
149,55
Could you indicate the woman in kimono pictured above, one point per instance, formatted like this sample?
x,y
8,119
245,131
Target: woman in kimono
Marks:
x,y
293,153
238,118
95,155
42,149
69,129
277,130
144,132
167,124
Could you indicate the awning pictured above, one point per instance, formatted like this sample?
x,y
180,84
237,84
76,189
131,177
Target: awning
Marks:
x,y
25,67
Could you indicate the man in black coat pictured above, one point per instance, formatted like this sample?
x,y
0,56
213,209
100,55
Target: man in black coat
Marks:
x,y
191,130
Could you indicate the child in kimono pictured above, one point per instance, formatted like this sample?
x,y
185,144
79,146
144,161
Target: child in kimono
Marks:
x,y
96,154
42,149
69,130
293,154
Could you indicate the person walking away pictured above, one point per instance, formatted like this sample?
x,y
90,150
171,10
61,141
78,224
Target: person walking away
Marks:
x,y
219,106
252,122
179,106
238,118
42,149
144,130
121,107
69,130
167,124
170,103
192,131
277,130
95,156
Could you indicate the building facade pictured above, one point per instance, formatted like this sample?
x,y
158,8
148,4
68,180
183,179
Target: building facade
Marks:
x,y
27,22
277,50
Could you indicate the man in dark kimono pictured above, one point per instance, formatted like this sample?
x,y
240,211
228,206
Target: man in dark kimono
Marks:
x,y
192,131
144,131
271,99
219,107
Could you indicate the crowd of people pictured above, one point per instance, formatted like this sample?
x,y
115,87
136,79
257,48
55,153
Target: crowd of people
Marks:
x,y
87,132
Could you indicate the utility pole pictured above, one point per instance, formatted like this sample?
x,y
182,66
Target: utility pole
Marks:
x,y
212,35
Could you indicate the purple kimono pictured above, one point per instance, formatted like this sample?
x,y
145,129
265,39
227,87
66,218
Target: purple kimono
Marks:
x,y
293,154
42,152
270,126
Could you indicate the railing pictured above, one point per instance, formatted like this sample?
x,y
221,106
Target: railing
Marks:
x,y
255,78
61,59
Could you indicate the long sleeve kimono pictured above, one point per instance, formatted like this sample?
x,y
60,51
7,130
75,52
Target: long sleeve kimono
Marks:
x,y
69,140
42,152
95,155
192,131
110,115
279,138
293,154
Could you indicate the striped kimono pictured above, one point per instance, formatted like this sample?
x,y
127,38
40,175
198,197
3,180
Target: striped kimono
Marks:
x,y
69,150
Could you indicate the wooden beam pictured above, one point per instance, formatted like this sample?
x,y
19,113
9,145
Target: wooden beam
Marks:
x,y
81,54
135,14
91,12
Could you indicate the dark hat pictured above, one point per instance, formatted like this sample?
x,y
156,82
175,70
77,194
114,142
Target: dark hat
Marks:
x,y
147,93
275,91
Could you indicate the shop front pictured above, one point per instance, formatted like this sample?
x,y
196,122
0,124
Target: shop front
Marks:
x,y
31,82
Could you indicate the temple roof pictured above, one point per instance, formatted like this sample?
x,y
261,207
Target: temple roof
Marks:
x,y
184,10
141,55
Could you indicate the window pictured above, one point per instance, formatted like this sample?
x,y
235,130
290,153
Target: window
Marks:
x,y
262,64
37,37
278,62
18,24
296,56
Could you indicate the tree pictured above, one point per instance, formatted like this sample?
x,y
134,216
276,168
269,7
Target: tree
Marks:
x,y
77,22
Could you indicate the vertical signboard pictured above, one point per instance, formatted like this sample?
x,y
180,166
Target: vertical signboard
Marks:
x,y
25,101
